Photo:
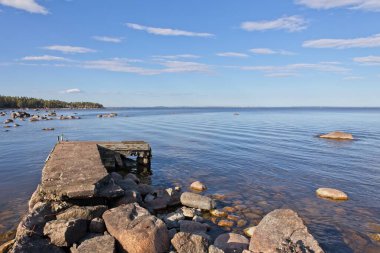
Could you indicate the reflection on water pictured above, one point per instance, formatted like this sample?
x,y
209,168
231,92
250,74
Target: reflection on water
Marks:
x,y
259,160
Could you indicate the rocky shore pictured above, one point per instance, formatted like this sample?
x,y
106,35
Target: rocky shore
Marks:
x,y
137,218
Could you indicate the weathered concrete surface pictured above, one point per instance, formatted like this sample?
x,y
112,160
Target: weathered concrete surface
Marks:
x,y
73,170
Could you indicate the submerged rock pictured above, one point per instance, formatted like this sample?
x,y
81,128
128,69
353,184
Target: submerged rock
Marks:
x,y
197,201
198,186
190,243
136,230
331,193
218,213
231,242
338,136
278,226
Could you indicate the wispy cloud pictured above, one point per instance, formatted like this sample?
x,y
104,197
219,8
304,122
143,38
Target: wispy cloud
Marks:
x,y
177,56
70,49
270,51
353,78
370,60
72,91
184,66
44,58
363,42
368,5
108,39
288,23
27,5
166,31
232,54
293,69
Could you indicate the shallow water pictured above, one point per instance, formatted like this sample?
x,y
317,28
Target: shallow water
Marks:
x,y
264,158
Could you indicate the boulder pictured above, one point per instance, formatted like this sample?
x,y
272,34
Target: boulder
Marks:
x,y
97,244
190,243
35,245
231,242
136,230
198,186
192,227
278,226
145,189
337,136
128,184
197,201
64,233
128,198
132,177
110,190
82,212
97,225
331,193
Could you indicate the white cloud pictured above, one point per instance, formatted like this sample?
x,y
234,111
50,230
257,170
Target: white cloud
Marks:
x,y
27,5
293,69
369,5
43,58
364,42
184,66
167,31
69,49
371,60
177,56
270,51
232,54
72,91
289,23
108,39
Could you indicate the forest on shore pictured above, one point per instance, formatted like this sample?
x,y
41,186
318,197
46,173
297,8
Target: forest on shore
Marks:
x,y
26,102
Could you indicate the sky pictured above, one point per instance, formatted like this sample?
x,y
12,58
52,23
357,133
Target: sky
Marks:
x,y
252,53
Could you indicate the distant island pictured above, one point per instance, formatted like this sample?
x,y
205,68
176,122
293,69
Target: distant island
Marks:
x,y
26,102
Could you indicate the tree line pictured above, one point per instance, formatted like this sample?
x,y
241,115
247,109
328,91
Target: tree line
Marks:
x,y
26,102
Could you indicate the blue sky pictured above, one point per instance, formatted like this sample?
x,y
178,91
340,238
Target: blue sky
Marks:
x,y
193,53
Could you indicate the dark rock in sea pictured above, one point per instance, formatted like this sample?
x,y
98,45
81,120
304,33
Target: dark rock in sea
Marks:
x,y
337,136
190,243
97,244
136,230
197,201
63,233
231,243
278,226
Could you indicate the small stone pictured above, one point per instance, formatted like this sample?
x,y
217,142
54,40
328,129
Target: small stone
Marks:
x,y
229,209
197,201
249,231
198,186
231,242
218,213
241,223
240,207
375,237
331,193
233,217
188,212
225,223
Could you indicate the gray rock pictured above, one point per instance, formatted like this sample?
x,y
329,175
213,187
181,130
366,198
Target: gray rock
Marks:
x,y
231,243
109,190
97,244
116,176
97,225
128,198
144,189
132,177
136,230
174,195
197,201
278,226
64,233
128,184
192,227
82,212
149,197
190,243
35,245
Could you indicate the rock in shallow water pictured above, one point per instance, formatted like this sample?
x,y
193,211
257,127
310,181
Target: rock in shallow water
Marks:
x,y
136,230
197,201
337,136
198,186
331,193
278,226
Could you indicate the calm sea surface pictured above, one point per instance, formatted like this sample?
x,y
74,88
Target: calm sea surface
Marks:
x,y
263,158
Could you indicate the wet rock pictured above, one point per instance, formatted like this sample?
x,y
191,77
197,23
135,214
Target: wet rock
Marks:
x,y
192,227
197,201
190,243
331,193
64,233
35,245
225,223
375,237
214,249
82,212
97,225
233,217
7,121
278,226
337,136
128,184
136,230
198,186
144,189
249,231
231,242
133,177
218,213
229,209
97,244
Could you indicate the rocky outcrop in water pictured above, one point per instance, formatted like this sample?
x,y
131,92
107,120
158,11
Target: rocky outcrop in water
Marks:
x,y
337,136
